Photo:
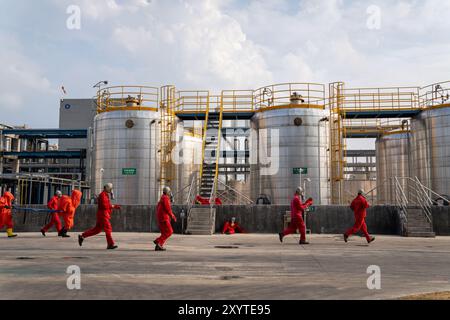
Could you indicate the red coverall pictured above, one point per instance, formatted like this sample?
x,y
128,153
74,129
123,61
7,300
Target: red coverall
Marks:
x,y
5,214
69,205
230,228
103,216
359,206
297,209
164,214
53,204
201,200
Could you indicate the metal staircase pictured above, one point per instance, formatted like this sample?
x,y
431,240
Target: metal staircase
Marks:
x,y
414,202
211,153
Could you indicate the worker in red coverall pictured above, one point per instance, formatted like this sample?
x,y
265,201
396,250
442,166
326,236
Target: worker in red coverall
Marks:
x,y
202,201
359,206
6,220
67,207
164,215
232,227
103,218
297,209
53,204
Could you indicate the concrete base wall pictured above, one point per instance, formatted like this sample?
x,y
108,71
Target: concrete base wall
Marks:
x,y
255,219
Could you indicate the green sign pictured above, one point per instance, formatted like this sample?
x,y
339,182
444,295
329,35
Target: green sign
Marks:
x,y
129,171
300,170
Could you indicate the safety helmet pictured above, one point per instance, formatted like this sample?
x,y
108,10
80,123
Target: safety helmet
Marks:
x,y
108,187
58,193
361,192
166,190
299,190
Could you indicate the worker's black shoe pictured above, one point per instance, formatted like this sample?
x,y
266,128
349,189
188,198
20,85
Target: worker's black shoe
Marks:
x,y
281,237
345,237
65,235
303,242
159,248
80,240
12,236
112,247
43,232
371,240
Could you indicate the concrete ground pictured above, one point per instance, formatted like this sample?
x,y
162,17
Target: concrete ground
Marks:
x,y
250,267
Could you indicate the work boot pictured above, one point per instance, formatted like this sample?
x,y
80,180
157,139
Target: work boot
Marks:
x,y
80,240
303,242
371,240
64,233
10,233
61,232
281,237
159,248
43,232
345,237
112,247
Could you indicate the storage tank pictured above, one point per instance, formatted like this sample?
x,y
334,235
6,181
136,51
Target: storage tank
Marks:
x,y
392,157
126,144
189,150
293,134
431,148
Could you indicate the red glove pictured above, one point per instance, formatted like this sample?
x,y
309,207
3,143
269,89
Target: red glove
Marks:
x,y
117,207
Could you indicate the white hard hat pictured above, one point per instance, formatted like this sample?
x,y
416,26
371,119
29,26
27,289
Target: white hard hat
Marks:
x,y
166,190
361,191
58,193
108,187
299,190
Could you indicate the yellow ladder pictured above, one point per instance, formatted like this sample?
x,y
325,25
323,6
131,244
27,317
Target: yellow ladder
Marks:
x,y
168,128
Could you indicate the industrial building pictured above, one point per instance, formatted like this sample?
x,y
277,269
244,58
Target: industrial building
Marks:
x,y
246,146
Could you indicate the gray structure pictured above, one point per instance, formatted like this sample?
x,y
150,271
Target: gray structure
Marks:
x,y
393,160
289,138
431,148
126,154
76,114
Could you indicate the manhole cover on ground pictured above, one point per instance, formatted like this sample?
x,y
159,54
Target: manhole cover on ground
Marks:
x,y
226,247
224,269
230,277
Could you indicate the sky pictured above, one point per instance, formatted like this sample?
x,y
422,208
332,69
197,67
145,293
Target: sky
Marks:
x,y
223,44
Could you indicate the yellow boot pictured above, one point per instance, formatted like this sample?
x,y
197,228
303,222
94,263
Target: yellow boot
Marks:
x,y
10,233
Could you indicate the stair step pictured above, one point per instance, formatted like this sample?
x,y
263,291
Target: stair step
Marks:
x,y
421,234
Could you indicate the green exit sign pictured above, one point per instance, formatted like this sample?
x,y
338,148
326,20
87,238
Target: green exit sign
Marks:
x,y
300,170
129,171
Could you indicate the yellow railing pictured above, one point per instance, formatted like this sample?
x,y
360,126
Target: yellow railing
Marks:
x,y
289,93
127,98
238,100
205,131
435,94
192,101
380,99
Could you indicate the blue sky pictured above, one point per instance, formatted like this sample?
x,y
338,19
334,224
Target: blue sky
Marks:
x,y
226,44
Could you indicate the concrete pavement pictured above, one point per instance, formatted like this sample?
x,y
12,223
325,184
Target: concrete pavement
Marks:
x,y
222,267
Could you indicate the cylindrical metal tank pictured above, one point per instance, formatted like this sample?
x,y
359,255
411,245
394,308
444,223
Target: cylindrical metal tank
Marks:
x,y
393,158
431,148
126,155
189,151
283,139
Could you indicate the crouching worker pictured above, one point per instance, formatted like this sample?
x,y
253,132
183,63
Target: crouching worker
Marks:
x,y
297,210
103,218
232,227
6,220
67,207
164,215
53,204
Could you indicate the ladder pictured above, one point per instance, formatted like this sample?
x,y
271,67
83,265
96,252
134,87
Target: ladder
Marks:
x,y
209,170
167,129
337,141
